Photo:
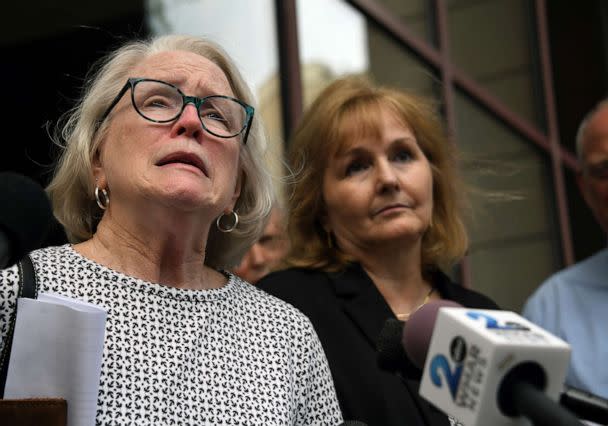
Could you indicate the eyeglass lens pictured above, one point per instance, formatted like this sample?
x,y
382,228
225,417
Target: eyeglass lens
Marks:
x,y
162,102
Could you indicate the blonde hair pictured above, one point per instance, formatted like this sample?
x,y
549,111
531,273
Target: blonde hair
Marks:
x,y
351,107
79,134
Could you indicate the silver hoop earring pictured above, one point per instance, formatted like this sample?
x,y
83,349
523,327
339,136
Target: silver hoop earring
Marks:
x,y
106,199
229,228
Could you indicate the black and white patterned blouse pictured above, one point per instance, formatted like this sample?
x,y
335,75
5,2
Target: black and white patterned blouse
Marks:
x,y
228,356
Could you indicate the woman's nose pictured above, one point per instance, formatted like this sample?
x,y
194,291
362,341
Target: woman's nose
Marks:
x,y
386,177
188,123
257,256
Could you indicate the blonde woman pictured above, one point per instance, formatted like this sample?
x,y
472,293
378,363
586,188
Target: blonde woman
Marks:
x,y
375,217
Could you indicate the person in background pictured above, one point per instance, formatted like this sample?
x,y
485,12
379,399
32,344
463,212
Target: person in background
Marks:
x,y
572,303
267,252
162,187
374,218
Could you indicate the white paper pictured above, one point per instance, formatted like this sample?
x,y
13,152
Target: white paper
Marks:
x,y
57,351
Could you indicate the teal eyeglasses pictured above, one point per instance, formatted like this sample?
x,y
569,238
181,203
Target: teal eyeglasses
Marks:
x,y
162,102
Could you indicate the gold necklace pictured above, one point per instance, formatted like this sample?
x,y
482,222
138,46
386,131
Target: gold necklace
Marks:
x,y
405,316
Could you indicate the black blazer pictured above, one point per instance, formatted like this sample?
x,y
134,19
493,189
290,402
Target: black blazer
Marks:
x,y
348,312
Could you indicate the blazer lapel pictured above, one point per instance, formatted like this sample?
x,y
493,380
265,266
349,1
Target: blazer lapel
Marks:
x,y
361,301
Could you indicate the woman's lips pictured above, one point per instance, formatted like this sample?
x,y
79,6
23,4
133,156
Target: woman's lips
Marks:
x,y
391,207
184,158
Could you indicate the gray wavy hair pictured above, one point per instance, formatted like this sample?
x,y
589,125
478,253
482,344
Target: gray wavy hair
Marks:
x,y
79,134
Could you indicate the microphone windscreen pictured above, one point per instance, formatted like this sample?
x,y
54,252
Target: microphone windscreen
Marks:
x,y
418,330
390,350
25,213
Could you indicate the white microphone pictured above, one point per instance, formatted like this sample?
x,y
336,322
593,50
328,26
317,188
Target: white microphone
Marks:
x,y
488,367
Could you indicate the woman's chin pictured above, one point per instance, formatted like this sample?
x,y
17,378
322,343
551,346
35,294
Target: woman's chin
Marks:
x,y
185,197
401,234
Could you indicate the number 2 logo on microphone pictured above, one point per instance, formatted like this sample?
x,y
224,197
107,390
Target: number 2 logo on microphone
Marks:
x,y
464,370
440,366
492,323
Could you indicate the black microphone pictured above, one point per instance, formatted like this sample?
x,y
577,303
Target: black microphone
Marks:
x,y
391,356
25,217
390,346
585,405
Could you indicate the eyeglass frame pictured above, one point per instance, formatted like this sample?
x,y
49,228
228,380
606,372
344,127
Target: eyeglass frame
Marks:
x,y
194,100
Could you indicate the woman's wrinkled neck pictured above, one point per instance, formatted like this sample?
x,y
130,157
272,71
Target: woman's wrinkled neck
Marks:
x,y
169,251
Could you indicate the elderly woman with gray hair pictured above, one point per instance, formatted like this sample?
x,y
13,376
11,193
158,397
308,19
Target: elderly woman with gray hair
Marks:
x,y
161,188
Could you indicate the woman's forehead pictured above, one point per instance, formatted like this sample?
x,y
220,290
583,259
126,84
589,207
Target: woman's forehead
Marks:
x,y
184,68
364,123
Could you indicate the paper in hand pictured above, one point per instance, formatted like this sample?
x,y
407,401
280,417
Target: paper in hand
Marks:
x,y
56,352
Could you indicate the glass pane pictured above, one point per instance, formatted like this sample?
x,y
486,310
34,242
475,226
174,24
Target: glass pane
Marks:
x,y
332,33
494,42
359,47
332,38
513,229
415,14
392,64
